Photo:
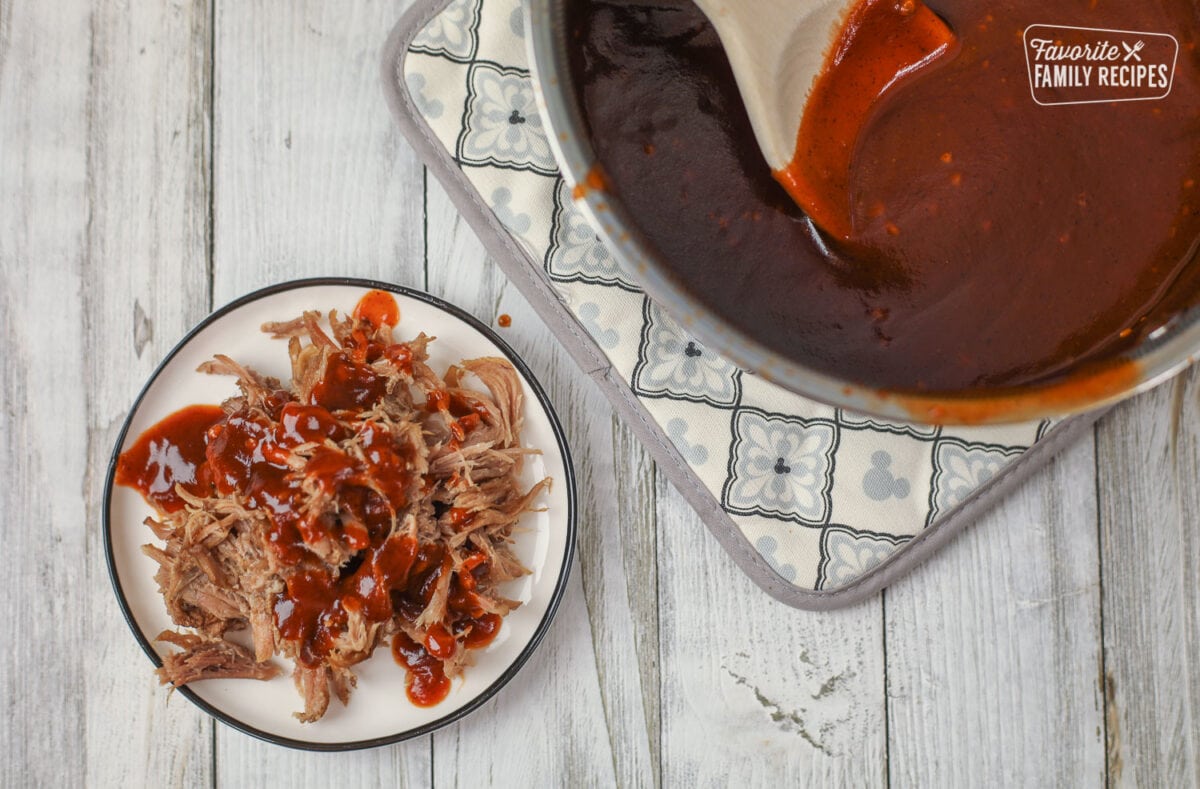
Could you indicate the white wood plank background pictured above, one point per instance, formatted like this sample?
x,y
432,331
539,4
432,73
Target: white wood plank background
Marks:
x,y
159,158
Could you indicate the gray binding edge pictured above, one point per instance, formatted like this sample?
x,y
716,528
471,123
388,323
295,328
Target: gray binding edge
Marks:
x,y
521,268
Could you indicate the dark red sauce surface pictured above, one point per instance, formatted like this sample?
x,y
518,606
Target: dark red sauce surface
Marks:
x,y
313,611
170,453
348,385
882,43
482,631
427,681
378,308
996,242
245,454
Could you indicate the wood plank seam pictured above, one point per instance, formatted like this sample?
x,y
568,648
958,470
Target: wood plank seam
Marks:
x,y
1103,679
887,707
210,148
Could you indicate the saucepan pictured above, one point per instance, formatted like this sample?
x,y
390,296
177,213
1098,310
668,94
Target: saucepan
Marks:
x,y
1160,356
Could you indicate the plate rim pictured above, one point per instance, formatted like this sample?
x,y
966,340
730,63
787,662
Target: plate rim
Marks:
x,y
560,586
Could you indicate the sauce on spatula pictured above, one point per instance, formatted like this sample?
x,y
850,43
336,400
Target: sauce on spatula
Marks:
x,y
881,44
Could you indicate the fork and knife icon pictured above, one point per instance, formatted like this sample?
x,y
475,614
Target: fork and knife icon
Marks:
x,y
1132,52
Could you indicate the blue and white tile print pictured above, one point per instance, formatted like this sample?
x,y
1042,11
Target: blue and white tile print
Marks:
x,y
502,126
847,555
780,467
960,469
589,316
430,107
674,365
881,482
454,33
768,547
694,454
501,205
576,253
783,468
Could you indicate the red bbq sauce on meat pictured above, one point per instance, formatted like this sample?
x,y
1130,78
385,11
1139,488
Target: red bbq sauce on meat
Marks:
x,y
473,626
348,385
480,631
170,453
440,643
476,627
314,608
427,681
248,455
251,454
378,308
437,400
462,413
458,517
401,356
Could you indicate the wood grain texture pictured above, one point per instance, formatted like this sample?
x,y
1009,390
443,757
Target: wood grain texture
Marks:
x,y
1149,508
631,522
96,199
149,149
143,285
993,653
557,727
44,67
755,692
310,179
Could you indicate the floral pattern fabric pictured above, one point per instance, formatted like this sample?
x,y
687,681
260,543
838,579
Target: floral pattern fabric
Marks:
x,y
575,253
960,469
781,467
502,126
454,33
674,365
847,555
822,496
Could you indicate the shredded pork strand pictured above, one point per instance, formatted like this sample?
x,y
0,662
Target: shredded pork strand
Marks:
x,y
454,505
207,658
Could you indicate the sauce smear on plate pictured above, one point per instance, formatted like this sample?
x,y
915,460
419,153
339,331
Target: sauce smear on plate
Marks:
x,y
170,453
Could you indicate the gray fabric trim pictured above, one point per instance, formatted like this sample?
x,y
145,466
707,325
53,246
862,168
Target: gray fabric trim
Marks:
x,y
529,278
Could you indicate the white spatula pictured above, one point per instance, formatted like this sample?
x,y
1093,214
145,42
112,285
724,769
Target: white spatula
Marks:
x,y
844,54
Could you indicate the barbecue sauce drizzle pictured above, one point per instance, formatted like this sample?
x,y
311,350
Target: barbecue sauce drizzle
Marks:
x,y
201,448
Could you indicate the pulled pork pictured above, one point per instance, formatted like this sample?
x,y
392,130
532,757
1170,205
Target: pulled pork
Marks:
x,y
368,500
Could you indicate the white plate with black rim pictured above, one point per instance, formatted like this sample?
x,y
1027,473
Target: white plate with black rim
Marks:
x,y
379,712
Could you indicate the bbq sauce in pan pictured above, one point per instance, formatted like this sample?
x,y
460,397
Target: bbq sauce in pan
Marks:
x,y
996,242
203,448
881,44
